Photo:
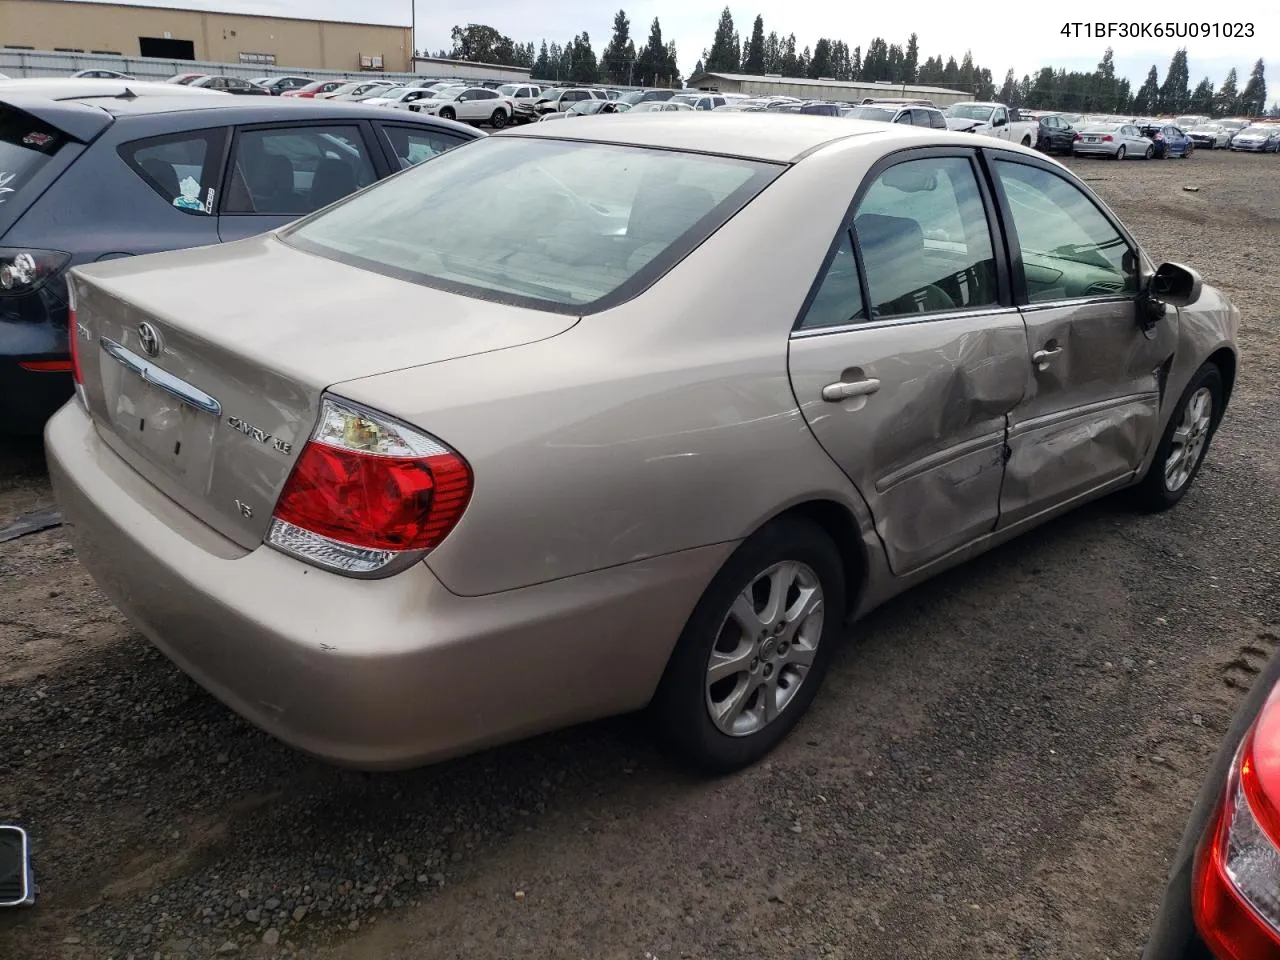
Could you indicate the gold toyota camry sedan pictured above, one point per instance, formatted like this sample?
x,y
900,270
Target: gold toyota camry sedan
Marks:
x,y
630,412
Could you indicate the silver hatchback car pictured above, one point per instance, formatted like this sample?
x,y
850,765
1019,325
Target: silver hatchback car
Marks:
x,y
519,438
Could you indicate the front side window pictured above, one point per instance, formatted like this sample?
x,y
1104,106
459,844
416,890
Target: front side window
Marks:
x,y
296,170
922,231
838,301
183,169
558,225
1069,249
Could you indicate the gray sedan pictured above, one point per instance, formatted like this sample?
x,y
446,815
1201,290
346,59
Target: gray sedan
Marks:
x,y
512,440
1118,141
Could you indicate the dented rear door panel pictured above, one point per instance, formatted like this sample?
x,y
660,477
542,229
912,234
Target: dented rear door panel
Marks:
x,y
926,449
1092,409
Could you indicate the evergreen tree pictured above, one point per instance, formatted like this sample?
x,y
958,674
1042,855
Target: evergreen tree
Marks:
x,y
822,64
618,60
911,63
542,66
584,68
651,59
1254,99
754,61
1202,97
725,48
1009,90
773,53
1147,99
1227,100
1175,92
790,66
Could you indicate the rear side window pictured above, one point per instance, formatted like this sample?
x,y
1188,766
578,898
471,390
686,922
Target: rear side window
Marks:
x,y
922,232
559,225
296,170
412,145
183,169
838,301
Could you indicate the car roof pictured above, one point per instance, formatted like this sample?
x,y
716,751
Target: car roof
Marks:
x,y
230,109
784,138
78,88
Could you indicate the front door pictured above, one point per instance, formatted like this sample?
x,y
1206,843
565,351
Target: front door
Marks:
x,y
1093,375
906,368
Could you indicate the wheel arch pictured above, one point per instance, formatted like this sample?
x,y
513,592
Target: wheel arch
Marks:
x,y
1224,358
842,526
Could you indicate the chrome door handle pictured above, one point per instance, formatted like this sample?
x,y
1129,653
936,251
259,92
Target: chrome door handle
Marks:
x,y
843,390
1044,356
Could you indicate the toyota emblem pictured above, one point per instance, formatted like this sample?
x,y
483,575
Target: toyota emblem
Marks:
x,y
149,339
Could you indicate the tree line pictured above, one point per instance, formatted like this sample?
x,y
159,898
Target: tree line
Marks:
x,y
654,63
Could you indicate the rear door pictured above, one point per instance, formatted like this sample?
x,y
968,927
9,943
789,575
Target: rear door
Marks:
x,y
278,173
1093,377
909,354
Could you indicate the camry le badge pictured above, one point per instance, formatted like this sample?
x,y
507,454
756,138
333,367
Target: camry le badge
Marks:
x,y
149,339
257,433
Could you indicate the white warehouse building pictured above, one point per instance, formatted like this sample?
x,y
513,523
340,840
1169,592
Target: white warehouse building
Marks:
x,y
849,91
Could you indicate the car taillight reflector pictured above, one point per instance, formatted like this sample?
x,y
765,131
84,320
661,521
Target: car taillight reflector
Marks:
x,y
46,366
369,494
1107,138
1236,878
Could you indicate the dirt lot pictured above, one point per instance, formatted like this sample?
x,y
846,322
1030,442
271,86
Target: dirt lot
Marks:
x,y
999,765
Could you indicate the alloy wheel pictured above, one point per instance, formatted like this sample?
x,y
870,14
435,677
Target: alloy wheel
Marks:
x,y
764,649
1189,440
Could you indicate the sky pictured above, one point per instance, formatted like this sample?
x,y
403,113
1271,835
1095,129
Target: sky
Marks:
x,y
1024,40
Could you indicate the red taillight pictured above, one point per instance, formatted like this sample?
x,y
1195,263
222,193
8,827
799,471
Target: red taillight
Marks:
x,y
1159,136
1107,138
1077,137
1236,877
47,366
367,492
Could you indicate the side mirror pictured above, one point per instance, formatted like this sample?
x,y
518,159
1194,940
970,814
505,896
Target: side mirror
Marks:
x,y
1175,284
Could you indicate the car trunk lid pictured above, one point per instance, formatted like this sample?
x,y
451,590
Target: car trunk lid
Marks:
x,y
203,369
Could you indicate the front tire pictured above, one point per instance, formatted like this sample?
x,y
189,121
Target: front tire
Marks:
x,y
1186,154
753,653
447,113
1185,442
498,120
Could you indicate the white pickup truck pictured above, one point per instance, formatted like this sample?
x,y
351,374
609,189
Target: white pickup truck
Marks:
x,y
991,120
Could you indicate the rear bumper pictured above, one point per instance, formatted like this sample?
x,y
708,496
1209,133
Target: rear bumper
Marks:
x,y
28,398
371,674
1095,149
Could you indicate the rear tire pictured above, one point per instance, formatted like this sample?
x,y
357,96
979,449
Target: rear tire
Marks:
x,y
1151,152
498,120
1026,141
767,666
1120,154
1185,442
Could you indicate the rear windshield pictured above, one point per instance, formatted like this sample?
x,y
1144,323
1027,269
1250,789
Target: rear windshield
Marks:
x,y
567,226
26,145
885,114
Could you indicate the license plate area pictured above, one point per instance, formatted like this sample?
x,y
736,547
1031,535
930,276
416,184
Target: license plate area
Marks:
x,y
167,420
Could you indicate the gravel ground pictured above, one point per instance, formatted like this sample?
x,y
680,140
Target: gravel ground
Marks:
x,y
1000,763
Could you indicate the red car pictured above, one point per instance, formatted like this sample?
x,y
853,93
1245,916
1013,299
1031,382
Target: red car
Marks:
x,y
1223,898
311,89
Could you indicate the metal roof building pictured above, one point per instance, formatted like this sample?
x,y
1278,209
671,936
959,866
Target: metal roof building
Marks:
x,y
85,27
850,91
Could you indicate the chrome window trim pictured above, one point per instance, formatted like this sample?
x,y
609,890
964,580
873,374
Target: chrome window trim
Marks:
x,y
904,320
1076,302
